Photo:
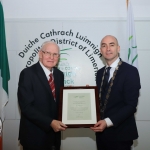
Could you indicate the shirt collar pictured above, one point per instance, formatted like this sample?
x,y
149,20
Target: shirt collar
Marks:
x,y
114,64
47,71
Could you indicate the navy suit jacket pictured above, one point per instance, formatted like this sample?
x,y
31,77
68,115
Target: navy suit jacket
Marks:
x,y
38,107
121,104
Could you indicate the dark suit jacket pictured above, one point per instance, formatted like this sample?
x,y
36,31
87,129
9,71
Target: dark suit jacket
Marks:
x,y
121,104
38,107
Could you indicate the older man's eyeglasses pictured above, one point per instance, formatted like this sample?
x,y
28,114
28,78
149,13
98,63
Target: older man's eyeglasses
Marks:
x,y
55,55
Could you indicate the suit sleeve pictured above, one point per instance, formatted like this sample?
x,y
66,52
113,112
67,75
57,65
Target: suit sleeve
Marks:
x,y
26,100
129,99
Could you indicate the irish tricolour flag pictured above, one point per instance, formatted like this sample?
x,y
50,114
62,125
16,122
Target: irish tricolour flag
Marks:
x,y
4,67
132,46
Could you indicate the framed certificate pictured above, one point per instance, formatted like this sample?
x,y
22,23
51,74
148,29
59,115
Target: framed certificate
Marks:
x,y
79,106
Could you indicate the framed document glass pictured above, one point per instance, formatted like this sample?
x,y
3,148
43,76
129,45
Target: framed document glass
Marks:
x,y
79,106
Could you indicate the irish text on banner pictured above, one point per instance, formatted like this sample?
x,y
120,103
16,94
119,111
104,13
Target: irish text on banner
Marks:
x,y
4,67
132,46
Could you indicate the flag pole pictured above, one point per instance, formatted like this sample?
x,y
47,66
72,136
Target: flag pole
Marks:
x,y
127,1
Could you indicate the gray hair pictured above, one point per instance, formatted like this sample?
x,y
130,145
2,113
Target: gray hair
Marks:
x,y
49,42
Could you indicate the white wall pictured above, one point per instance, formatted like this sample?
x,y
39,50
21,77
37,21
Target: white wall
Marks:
x,y
73,8
104,17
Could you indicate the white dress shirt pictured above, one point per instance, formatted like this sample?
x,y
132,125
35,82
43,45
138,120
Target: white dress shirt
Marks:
x,y
113,67
46,71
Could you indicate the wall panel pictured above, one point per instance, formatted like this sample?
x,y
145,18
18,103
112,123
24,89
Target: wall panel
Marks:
x,y
79,64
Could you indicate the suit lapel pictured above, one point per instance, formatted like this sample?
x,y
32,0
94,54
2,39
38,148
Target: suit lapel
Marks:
x,y
56,81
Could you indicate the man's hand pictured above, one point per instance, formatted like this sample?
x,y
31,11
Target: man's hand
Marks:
x,y
58,126
99,126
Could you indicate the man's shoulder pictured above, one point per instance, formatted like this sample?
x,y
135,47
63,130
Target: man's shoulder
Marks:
x,y
128,66
101,69
30,69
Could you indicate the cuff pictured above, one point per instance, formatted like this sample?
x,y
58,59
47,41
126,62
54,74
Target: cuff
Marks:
x,y
108,122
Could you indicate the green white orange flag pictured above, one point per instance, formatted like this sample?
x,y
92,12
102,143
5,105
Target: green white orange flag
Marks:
x,y
4,67
132,46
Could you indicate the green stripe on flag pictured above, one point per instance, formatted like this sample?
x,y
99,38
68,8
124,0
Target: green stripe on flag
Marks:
x,y
129,53
134,47
134,58
4,67
130,38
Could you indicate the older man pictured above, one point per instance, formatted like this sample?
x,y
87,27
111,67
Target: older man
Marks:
x,y
38,97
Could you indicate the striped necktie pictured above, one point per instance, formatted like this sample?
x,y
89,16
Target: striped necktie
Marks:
x,y
52,85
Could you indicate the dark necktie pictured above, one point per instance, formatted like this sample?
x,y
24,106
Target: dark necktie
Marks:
x,y
106,77
52,85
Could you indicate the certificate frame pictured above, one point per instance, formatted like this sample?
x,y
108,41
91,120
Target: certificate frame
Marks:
x,y
79,106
